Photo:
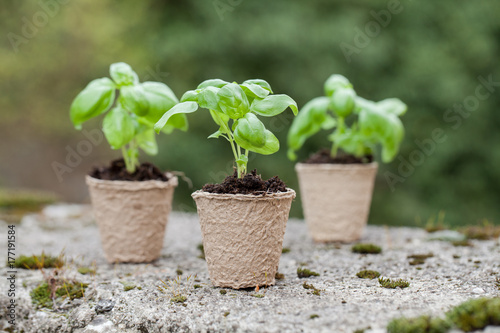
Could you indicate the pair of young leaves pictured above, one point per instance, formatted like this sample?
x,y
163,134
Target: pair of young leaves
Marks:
x,y
240,103
376,122
137,107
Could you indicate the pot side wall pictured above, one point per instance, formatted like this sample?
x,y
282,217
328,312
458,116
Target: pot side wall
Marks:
x,y
336,199
243,236
132,217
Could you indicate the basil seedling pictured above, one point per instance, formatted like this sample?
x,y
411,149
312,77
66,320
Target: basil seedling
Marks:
x,y
234,108
132,110
373,123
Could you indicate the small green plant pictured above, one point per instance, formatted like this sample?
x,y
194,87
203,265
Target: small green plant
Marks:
x,y
234,108
475,314
484,231
434,223
313,316
285,250
223,291
305,273
422,324
132,110
368,274
202,251
39,262
258,295
371,123
279,276
176,289
366,248
393,284
497,282
179,271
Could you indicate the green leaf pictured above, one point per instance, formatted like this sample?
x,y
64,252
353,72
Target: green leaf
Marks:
x,y
160,98
233,101
133,99
208,99
123,74
342,101
311,118
261,83
393,106
242,160
216,83
250,133
218,117
190,96
215,135
273,105
177,121
254,90
271,146
146,140
95,99
335,82
118,127
184,107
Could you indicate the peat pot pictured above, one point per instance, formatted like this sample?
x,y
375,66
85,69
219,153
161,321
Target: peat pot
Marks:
x,y
243,236
336,199
131,216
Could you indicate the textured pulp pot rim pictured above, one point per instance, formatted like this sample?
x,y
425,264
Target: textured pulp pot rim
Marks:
x,y
245,197
126,185
334,166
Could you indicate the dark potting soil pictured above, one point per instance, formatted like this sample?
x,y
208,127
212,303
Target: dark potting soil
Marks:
x,y
118,171
251,183
323,156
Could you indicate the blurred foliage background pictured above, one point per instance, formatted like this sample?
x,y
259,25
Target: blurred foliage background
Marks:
x,y
429,54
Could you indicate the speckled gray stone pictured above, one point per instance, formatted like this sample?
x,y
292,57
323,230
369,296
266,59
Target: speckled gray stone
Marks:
x,y
346,303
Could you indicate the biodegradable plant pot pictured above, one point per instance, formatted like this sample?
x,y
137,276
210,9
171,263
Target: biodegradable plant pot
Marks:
x,y
131,216
336,199
243,236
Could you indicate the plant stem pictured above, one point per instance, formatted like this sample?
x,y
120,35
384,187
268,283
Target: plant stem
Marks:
x,y
236,153
340,129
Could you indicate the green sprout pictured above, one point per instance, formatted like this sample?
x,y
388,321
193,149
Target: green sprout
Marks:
x,y
393,284
234,108
132,110
373,123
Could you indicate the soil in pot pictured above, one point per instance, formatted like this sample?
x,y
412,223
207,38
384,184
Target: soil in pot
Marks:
x,y
251,183
323,156
118,171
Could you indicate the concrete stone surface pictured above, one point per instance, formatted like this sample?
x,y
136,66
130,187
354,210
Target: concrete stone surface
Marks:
x,y
346,303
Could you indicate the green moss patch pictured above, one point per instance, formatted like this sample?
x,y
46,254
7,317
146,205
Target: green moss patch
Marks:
x,y
128,285
393,284
366,248
419,259
422,324
279,276
313,289
37,262
86,270
481,232
41,295
367,274
202,251
475,314
178,299
305,273
285,250
28,200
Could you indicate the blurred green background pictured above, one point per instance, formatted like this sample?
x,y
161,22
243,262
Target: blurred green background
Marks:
x,y
427,53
